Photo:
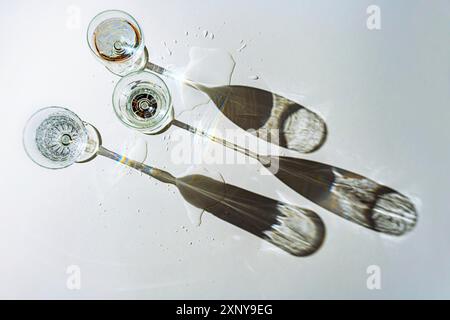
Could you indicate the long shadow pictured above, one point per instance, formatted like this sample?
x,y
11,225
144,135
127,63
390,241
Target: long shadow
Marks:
x,y
349,195
265,114
295,230
284,122
269,116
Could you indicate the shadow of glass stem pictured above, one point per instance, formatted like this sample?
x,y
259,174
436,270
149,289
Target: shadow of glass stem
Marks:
x,y
295,230
263,112
347,194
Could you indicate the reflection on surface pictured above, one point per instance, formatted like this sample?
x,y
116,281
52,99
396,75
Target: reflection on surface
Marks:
x,y
297,231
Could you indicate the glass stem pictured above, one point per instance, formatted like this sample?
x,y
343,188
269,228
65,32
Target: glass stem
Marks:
x,y
164,72
156,173
265,160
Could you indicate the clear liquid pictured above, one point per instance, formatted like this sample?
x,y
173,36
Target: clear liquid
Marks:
x,y
146,106
60,138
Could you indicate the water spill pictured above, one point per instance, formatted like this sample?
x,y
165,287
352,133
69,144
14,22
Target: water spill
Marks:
x,y
211,67
195,213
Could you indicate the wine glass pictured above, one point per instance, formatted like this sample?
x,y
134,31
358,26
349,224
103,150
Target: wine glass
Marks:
x,y
55,138
142,101
116,39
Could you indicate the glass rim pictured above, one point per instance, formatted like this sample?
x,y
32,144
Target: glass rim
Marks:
x,y
125,80
133,20
26,127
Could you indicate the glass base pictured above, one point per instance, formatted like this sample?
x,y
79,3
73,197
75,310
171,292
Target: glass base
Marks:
x,y
93,143
123,69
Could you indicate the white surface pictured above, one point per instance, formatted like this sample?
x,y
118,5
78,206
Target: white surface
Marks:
x,y
384,95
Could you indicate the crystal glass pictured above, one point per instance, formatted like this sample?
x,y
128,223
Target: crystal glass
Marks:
x,y
116,39
142,101
55,138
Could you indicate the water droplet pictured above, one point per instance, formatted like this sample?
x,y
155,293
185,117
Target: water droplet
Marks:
x,y
186,33
168,50
205,33
253,77
242,47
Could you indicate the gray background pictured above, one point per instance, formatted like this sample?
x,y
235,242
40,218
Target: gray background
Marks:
x,y
384,95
